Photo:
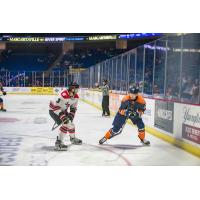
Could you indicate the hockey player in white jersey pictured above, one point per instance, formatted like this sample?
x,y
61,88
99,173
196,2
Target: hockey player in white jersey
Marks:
x,y
63,110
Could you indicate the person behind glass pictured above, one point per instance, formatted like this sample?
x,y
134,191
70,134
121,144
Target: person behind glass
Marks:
x,y
105,98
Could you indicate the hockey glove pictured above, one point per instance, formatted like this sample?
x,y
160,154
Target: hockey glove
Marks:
x,y
64,118
134,115
127,113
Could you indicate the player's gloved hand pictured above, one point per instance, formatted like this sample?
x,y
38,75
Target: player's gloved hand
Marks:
x,y
134,115
4,93
64,118
127,113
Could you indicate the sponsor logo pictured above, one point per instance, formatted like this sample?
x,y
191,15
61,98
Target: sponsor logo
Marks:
x,y
188,116
165,114
42,90
16,89
53,39
64,94
191,133
9,149
26,39
103,37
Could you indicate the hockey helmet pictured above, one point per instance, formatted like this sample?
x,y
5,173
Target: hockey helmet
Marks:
x,y
105,81
73,85
134,90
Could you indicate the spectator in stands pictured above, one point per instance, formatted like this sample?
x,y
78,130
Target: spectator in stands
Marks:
x,y
169,93
186,89
88,57
38,83
156,90
195,92
96,85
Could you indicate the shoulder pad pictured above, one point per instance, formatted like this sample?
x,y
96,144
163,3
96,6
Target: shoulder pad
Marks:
x,y
140,100
65,94
76,96
126,98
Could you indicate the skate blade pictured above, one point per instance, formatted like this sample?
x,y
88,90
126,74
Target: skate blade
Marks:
x,y
77,143
146,144
102,140
60,149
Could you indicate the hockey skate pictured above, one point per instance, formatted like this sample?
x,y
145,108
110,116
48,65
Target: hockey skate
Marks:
x,y
59,146
3,110
144,141
102,140
107,136
75,141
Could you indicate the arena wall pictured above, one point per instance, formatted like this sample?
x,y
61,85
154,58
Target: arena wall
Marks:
x,y
33,90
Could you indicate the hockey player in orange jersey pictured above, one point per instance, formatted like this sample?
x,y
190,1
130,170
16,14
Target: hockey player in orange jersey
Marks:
x,y
132,107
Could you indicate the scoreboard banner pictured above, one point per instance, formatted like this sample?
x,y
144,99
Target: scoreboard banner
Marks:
x,y
138,35
42,39
62,39
100,37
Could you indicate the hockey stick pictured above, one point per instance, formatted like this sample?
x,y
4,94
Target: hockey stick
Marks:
x,y
54,126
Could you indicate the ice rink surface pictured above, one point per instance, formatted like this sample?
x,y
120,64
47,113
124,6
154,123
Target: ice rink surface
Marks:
x,y
26,139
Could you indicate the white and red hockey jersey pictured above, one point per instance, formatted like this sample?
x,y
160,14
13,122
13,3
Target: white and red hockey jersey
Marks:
x,y
63,102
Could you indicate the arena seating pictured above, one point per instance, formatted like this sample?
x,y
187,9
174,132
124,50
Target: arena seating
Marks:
x,y
27,62
87,58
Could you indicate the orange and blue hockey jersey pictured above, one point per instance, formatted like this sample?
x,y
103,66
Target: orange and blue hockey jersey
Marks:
x,y
134,105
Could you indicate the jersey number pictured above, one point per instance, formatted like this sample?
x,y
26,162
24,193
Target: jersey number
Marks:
x,y
58,100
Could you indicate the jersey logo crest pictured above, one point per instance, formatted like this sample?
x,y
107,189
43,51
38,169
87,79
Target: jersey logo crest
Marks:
x,y
65,94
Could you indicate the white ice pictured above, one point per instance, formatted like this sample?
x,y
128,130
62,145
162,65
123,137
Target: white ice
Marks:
x,y
26,139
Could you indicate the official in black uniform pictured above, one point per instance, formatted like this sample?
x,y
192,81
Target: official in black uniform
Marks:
x,y
105,99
